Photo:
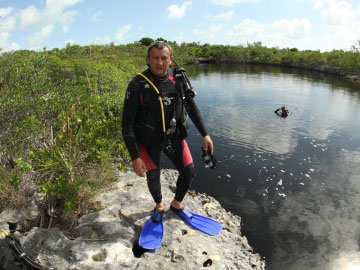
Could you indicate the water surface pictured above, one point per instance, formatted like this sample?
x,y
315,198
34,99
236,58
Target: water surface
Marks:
x,y
295,181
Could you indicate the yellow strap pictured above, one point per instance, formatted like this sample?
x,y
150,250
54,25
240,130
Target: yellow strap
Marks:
x,y
160,99
3,233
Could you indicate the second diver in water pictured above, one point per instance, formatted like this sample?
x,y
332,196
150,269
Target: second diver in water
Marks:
x,y
282,111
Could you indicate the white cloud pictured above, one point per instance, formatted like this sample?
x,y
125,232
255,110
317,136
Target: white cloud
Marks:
x,y
66,19
228,3
341,38
29,16
335,12
281,32
176,12
343,21
54,12
37,41
338,13
247,30
288,31
121,32
207,34
6,23
96,17
6,44
227,16
317,4
5,11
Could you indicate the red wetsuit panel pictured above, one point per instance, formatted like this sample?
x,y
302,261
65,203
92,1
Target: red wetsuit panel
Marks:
x,y
146,158
186,154
172,78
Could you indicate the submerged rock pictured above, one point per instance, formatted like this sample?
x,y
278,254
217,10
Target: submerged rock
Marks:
x,y
109,237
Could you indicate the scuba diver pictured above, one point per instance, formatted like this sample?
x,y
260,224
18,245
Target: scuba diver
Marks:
x,y
282,111
157,104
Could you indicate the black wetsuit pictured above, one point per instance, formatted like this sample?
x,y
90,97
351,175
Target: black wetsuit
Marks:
x,y
142,113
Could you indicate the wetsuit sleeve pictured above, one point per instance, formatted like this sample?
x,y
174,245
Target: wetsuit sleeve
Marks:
x,y
195,115
131,103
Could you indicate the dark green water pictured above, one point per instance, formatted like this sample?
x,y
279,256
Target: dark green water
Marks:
x,y
295,181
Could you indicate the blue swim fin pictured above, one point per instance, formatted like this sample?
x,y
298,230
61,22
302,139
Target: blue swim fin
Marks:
x,y
153,231
201,223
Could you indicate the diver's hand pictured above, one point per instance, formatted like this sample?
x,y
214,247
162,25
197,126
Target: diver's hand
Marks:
x,y
208,144
139,167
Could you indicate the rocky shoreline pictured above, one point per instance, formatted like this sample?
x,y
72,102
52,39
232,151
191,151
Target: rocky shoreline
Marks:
x,y
108,237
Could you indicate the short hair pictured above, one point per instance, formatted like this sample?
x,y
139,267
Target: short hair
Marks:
x,y
159,44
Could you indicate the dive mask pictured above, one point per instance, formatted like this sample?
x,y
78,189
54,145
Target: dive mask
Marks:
x,y
209,159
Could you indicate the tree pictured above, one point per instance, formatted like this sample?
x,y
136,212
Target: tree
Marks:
x,y
161,39
356,47
146,41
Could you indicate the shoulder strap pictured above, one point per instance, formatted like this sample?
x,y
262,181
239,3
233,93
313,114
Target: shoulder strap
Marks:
x,y
160,99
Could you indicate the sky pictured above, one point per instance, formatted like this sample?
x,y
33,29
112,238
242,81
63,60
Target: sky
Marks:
x,y
304,24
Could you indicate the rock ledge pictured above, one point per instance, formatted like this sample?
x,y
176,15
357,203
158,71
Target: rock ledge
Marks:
x,y
107,237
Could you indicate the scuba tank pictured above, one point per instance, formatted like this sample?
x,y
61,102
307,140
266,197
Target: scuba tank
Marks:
x,y
184,89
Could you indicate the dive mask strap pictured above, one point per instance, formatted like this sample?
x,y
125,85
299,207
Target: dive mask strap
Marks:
x,y
208,159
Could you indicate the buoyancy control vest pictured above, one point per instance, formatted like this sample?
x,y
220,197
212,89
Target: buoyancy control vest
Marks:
x,y
161,113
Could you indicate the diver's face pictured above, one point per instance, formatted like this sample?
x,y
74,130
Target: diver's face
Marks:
x,y
159,61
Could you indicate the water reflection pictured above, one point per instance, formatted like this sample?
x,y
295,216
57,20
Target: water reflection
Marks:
x,y
295,181
325,219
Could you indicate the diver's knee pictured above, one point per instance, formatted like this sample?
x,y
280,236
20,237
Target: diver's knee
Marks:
x,y
189,171
153,175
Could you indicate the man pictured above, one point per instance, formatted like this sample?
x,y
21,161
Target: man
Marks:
x,y
282,111
147,158
152,123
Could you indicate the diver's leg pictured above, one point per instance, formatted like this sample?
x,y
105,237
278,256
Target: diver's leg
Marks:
x,y
182,159
151,157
